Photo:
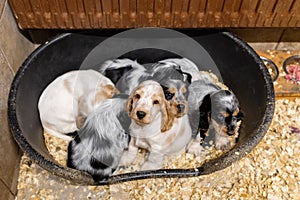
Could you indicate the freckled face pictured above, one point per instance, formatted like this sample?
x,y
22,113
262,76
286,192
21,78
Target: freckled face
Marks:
x,y
176,94
146,103
225,115
227,121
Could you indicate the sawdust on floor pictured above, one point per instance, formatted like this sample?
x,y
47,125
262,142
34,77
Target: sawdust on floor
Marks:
x,y
270,171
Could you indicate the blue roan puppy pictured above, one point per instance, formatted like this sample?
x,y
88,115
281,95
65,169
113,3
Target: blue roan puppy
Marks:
x,y
99,144
212,109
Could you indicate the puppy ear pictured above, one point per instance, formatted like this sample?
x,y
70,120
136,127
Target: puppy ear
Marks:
x,y
167,117
107,91
205,116
129,104
206,104
187,77
80,119
115,74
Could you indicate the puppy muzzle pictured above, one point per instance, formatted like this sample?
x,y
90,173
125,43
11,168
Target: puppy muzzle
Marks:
x,y
230,133
141,117
181,109
140,114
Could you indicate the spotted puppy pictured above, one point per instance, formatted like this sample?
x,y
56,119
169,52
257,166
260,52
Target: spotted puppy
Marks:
x,y
212,109
174,81
67,101
154,127
175,84
99,144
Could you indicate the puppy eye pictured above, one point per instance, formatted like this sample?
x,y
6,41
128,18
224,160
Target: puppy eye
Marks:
x,y
169,95
137,96
155,102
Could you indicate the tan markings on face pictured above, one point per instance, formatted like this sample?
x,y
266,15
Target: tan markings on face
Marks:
x,y
236,112
225,114
183,90
173,106
68,86
143,100
224,130
221,130
138,94
172,90
156,100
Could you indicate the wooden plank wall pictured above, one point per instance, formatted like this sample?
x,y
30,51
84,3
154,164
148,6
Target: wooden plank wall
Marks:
x,y
90,14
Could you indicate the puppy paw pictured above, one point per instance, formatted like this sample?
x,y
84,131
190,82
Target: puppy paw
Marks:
x,y
222,143
127,158
195,148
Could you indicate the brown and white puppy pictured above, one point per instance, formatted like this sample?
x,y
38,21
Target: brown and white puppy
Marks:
x,y
67,101
154,127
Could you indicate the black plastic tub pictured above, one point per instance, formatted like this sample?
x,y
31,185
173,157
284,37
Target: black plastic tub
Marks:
x,y
223,53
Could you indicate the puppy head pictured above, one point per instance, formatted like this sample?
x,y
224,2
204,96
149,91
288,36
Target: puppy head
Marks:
x,y
105,92
225,112
147,102
176,94
91,100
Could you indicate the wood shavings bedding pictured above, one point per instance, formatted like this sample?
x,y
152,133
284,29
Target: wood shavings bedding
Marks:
x,y
270,171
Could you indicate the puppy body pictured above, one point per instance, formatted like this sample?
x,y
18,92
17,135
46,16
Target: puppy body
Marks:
x,y
154,127
214,109
66,102
99,144
159,144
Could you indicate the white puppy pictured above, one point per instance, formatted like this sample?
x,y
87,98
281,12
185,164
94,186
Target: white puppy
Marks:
x,y
154,127
67,101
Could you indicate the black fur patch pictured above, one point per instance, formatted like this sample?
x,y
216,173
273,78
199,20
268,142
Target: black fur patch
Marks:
x,y
115,74
103,164
70,153
99,177
77,139
205,110
168,95
73,134
240,116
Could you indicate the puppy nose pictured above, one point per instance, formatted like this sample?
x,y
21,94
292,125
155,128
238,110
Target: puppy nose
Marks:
x,y
230,129
180,107
140,114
